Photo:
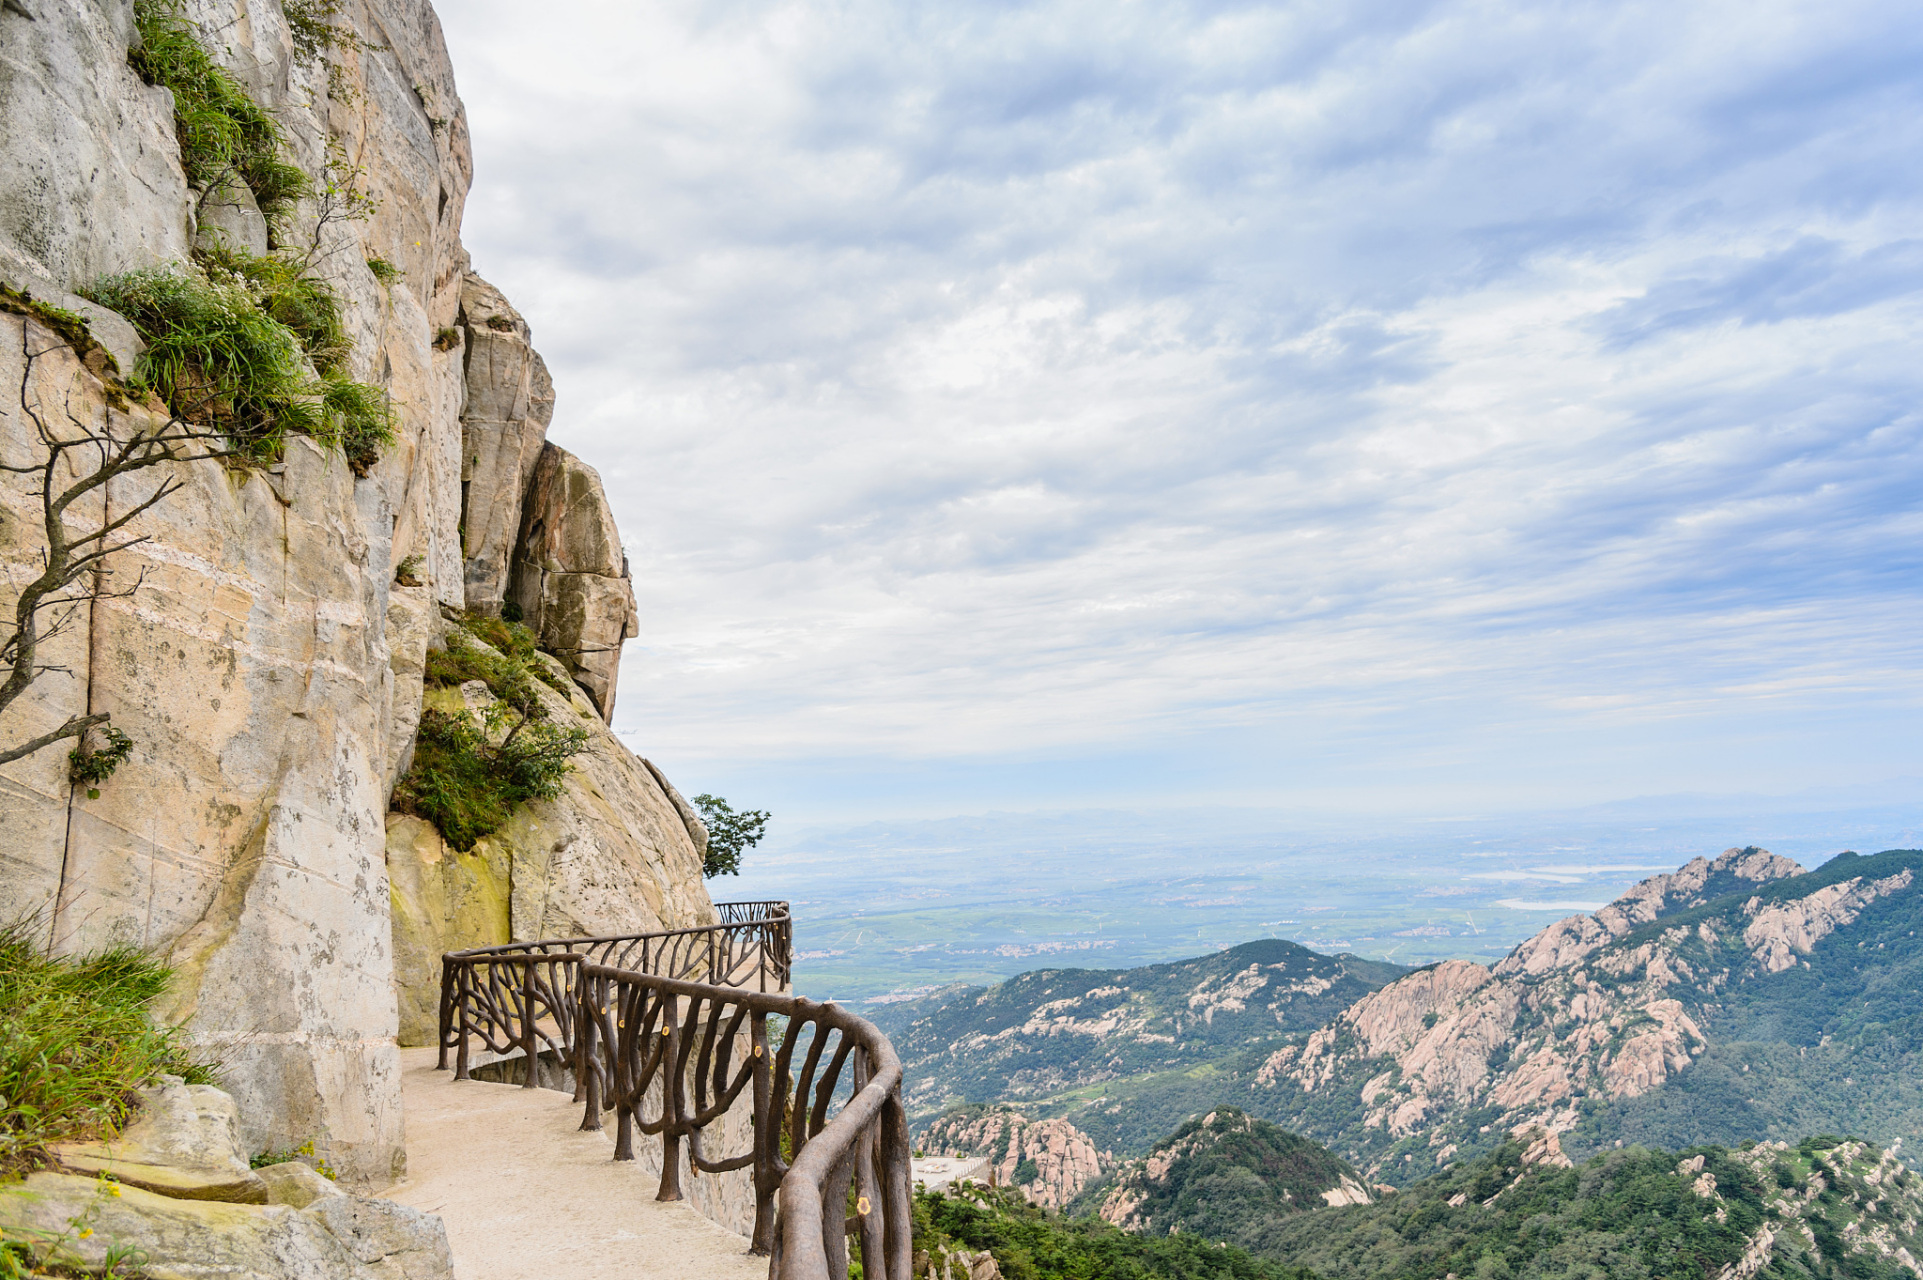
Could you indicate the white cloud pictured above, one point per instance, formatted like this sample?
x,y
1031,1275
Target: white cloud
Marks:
x,y
1510,398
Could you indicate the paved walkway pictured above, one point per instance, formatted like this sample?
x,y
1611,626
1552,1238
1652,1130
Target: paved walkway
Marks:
x,y
527,1196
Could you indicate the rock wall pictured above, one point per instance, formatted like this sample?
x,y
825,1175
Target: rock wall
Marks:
x,y
268,668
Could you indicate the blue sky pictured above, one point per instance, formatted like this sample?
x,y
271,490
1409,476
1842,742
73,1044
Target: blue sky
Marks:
x,y
1369,407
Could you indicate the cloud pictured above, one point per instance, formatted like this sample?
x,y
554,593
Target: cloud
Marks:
x,y
1333,394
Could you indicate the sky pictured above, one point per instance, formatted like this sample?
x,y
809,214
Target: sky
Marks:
x,y
1373,407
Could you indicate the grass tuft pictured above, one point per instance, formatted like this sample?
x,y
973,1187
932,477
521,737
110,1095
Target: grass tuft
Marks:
x,y
254,347
223,133
76,1040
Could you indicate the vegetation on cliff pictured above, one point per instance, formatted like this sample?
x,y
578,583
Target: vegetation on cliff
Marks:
x,y
76,1040
255,347
469,772
224,134
251,344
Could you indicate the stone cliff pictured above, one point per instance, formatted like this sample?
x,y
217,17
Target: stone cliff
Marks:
x,y
268,668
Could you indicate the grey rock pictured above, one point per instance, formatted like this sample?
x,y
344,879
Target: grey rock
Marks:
x,y
90,180
697,829
504,423
336,1238
229,217
297,1184
109,328
570,578
184,1141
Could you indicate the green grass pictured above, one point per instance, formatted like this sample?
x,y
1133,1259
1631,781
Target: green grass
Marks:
x,y
223,133
255,348
468,775
76,1040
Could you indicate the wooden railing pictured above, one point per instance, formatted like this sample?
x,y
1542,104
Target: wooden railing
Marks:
x,y
671,1053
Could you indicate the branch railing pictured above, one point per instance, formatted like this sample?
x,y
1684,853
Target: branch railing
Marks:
x,y
670,1053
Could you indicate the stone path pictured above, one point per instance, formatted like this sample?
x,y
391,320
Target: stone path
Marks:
x,y
527,1196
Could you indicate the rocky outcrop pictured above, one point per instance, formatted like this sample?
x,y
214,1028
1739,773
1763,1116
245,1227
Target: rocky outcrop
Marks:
x,y
570,576
1695,883
151,1198
504,423
268,668
1272,1173
1780,934
610,855
184,1142
1592,1009
1050,1161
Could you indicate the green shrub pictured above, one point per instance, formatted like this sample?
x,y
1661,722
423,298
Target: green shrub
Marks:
x,y
467,784
86,767
223,133
356,419
515,646
1030,1244
386,272
468,775
308,306
234,341
75,1042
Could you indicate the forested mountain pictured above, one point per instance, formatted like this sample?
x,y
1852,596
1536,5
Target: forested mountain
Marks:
x,y
1824,1208
1053,1030
1218,1174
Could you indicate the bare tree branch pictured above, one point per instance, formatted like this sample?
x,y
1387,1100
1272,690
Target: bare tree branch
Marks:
x,y
95,458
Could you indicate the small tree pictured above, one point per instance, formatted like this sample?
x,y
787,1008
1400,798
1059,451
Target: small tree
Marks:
x,y
78,459
730,834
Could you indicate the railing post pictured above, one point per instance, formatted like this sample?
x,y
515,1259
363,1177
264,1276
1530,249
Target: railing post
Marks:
x,y
672,1103
443,1017
586,1069
529,1058
466,972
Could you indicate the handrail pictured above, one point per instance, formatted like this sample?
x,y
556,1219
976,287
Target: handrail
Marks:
x,y
754,942
639,1042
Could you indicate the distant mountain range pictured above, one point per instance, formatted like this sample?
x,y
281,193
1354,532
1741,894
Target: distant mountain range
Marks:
x,y
1736,998
1055,1030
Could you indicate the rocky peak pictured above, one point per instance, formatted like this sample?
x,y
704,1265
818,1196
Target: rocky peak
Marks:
x,y
1050,1161
1691,885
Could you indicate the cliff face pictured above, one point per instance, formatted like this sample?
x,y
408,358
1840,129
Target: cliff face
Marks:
x,y
268,668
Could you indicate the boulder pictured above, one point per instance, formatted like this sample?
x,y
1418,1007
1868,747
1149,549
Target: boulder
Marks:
x,y
338,1237
570,577
297,1184
184,1142
230,218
